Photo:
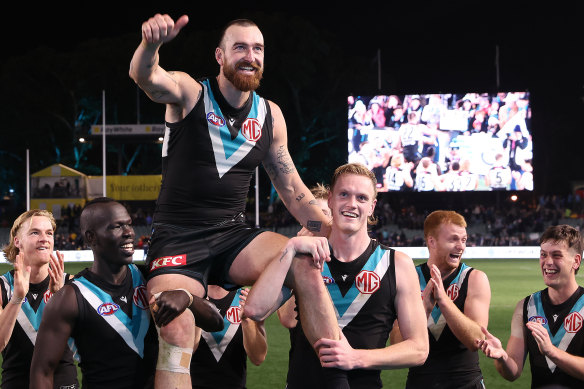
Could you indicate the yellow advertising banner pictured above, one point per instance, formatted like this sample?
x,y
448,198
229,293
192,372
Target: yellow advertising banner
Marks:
x,y
128,188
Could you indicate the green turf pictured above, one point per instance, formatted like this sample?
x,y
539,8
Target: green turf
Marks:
x,y
510,280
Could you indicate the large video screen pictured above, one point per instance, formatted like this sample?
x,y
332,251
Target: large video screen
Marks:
x,y
443,142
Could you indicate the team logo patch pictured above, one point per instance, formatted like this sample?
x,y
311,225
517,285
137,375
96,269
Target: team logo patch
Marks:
x,y
140,297
233,315
47,296
215,119
573,322
538,319
452,292
171,260
251,130
367,282
107,309
328,280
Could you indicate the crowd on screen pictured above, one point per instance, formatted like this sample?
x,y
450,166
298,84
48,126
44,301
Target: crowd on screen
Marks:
x,y
443,142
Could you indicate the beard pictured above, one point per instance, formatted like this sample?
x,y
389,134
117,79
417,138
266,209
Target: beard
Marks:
x,y
244,83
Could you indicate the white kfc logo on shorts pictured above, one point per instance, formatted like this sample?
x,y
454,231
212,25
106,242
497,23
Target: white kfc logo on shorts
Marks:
x,y
171,260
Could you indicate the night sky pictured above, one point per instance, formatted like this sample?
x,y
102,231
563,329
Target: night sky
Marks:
x,y
426,47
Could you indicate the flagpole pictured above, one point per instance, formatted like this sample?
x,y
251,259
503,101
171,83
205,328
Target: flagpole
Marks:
x,y
103,153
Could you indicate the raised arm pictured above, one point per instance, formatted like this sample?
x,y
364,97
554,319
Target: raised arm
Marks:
x,y
509,363
465,325
255,340
56,327
285,178
411,350
175,88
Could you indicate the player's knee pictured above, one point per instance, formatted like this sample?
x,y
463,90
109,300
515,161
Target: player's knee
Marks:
x,y
181,331
173,358
254,312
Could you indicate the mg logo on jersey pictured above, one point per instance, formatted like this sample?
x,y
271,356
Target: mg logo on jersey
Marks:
x,y
233,315
251,130
367,282
47,296
538,319
452,292
215,119
171,260
140,297
573,322
107,309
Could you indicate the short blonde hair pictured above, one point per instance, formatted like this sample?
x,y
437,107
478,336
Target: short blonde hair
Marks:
x,y
437,218
320,191
10,250
360,170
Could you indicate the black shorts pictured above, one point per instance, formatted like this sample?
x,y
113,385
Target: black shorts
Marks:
x,y
204,253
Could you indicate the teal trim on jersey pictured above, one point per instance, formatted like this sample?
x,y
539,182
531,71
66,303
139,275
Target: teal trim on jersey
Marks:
x,y
218,336
228,152
559,336
33,317
436,313
230,146
137,325
342,303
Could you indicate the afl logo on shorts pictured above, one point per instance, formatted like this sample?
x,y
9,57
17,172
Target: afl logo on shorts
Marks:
x,y
233,315
452,292
328,280
538,319
107,309
251,130
47,296
216,120
573,322
367,282
139,298
171,260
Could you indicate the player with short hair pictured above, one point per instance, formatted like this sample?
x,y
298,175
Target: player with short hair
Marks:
x,y
456,298
427,178
104,310
499,176
24,293
367,294
221,130
547,324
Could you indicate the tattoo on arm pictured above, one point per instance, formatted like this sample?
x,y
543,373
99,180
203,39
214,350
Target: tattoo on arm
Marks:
x,y
300,197
283,254
312,202
313,225
285,162
272,171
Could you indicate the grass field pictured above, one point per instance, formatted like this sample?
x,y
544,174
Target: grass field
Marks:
x,y
511,280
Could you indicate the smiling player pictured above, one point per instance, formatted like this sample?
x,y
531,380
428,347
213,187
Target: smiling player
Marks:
x,y
104,309
38,273
548,324
456,298
218,130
